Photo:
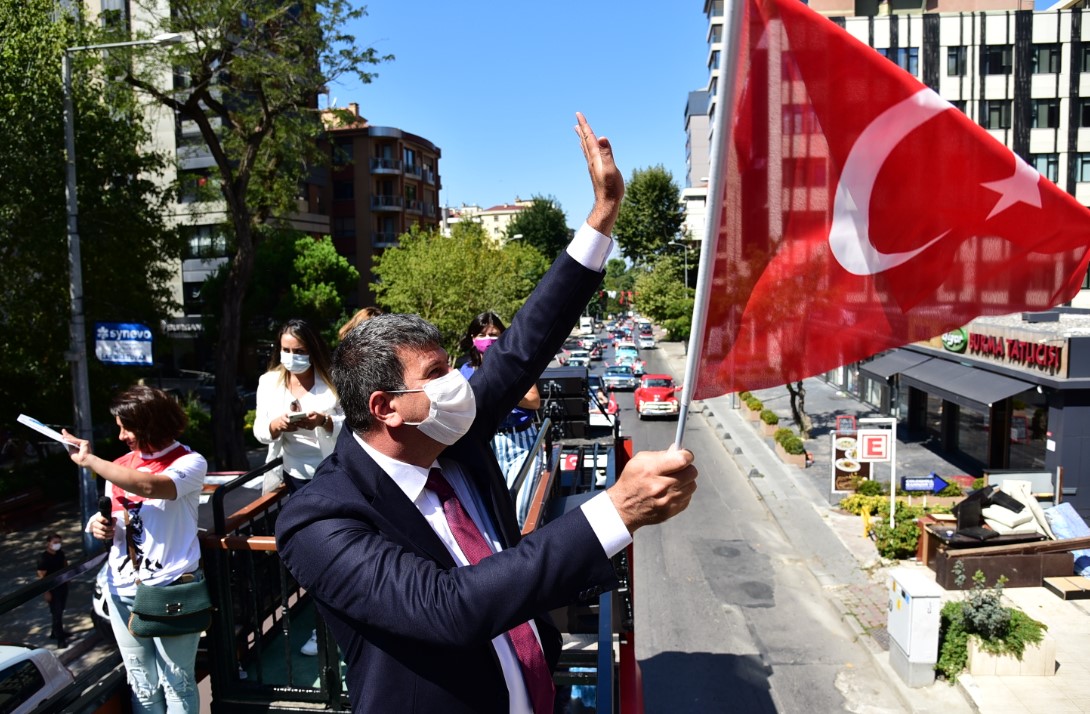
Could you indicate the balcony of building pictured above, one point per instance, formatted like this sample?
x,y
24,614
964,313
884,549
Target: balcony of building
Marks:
x,y
380,239
429,176
413,170
387,203
415,206
385,166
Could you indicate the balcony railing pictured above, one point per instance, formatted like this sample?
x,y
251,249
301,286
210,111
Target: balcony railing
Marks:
x,y
380,239
429,176
413,170
415,207
387,203
385,166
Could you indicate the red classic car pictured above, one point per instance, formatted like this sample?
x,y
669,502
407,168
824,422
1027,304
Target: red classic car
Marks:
x,y
656,396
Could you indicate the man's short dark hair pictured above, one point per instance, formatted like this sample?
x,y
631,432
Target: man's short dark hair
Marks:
x,y
368,360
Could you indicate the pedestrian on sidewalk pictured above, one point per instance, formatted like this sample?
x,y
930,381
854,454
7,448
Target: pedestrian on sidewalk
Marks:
x,y
53,560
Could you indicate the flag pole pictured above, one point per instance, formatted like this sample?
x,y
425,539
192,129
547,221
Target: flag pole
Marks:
x,y
733,14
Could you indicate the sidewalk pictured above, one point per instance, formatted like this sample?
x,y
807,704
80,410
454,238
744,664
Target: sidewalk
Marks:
x,y
856,579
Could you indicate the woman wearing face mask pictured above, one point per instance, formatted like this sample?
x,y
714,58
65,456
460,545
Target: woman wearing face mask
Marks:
x,y
298,413
518,432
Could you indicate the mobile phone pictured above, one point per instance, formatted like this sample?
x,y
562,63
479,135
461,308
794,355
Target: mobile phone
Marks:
x,y
294,417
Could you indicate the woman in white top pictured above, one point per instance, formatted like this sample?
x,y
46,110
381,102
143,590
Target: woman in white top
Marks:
x,y
298,413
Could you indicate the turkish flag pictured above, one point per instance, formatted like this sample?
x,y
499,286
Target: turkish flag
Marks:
x,y
858,211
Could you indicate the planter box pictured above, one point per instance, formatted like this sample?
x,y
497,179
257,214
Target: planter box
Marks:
x,y
769,429
1024,570
751,415
1038,660
791,459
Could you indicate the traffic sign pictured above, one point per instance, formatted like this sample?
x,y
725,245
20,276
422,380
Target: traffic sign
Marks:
x,y
932,483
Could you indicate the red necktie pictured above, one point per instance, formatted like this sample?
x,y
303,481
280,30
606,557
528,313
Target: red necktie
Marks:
x,y
535,672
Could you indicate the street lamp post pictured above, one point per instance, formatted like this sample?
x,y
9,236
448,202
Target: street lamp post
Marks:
x,y
77,354
686,259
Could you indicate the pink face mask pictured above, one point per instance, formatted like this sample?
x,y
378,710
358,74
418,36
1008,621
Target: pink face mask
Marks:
x,y
483,343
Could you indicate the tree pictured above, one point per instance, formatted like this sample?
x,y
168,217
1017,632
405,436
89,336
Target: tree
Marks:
x,y
248,80
542,225
651,214
449,280
126,248
300,277
662,296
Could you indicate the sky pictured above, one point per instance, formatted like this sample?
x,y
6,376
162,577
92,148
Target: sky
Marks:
x,y
496,86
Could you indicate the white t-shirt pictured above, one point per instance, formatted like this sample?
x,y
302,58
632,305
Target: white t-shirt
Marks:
x,y
161,534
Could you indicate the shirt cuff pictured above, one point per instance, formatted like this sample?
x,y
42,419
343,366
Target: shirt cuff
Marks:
x,y
590,248
607,524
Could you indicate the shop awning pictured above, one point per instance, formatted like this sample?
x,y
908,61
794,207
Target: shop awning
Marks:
x,y
891,363
973,388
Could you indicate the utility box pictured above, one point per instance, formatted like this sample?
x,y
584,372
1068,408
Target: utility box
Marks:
x,y
915,602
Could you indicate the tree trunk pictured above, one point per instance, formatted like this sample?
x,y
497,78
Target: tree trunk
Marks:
x,y
227,414
798,408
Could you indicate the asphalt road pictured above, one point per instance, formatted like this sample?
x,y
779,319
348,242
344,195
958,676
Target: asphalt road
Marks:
x,y
728,616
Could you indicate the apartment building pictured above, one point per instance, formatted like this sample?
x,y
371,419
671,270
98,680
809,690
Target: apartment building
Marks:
x,y
382,182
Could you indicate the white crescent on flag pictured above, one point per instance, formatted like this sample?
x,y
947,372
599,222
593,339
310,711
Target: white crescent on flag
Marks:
x,y
849,235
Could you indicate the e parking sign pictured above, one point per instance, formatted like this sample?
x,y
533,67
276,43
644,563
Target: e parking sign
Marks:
x,y
874,444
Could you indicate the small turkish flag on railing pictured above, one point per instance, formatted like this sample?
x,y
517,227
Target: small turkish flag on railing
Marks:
x,y
856,210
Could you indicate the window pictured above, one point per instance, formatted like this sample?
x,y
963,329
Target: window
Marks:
x,y
955,61
343,153
960,104
205,242
714,64
195,187
996,114
1083,115
1082,168
19,683
1048,165
410,157
996,59
343,190
1045,113
1084,59
1046,59
907,58
192,299
344,227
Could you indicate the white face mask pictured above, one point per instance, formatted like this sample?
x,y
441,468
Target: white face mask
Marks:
x,y
54,546
453,407
296,364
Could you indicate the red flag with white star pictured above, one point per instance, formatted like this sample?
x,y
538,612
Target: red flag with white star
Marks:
x,y
856,210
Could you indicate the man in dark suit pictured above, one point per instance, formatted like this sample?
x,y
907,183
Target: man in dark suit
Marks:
x,y
407,538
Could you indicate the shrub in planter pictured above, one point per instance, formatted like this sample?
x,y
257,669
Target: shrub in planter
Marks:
x,y
744,396
982,616
794,446
859,504
754,404
869,487
769,417
781,434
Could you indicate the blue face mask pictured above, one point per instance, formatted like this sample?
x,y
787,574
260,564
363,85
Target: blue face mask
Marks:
x,y
296,364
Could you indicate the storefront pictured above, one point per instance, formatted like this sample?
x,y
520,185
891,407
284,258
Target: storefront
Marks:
x,y
1008,392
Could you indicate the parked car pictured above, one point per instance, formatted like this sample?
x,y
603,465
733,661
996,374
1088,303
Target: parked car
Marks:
x,y
656,396
28,677
645,342
619,377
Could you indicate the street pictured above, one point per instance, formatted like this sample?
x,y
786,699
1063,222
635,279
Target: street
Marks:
x,y
728,615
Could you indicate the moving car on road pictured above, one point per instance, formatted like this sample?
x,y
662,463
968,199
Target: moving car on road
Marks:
x,y
646,342
619,377
656,396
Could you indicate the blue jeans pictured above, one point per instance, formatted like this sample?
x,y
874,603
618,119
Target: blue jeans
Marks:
x,y
161,670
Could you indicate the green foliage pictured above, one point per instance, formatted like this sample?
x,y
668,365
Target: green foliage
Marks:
x,y
859,504
128,253
951,489
660,291
300,277
248,429
543,225
680,328
900,541
651,214
744,396
794,446
781,434
198,433
870,487
979,483
981,614
448,280
769,417
754,404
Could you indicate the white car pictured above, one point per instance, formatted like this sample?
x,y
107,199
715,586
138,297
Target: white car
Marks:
x,y
579,358
29,677
645,342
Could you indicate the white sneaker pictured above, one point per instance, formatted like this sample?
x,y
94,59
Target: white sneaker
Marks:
x,y
310,647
